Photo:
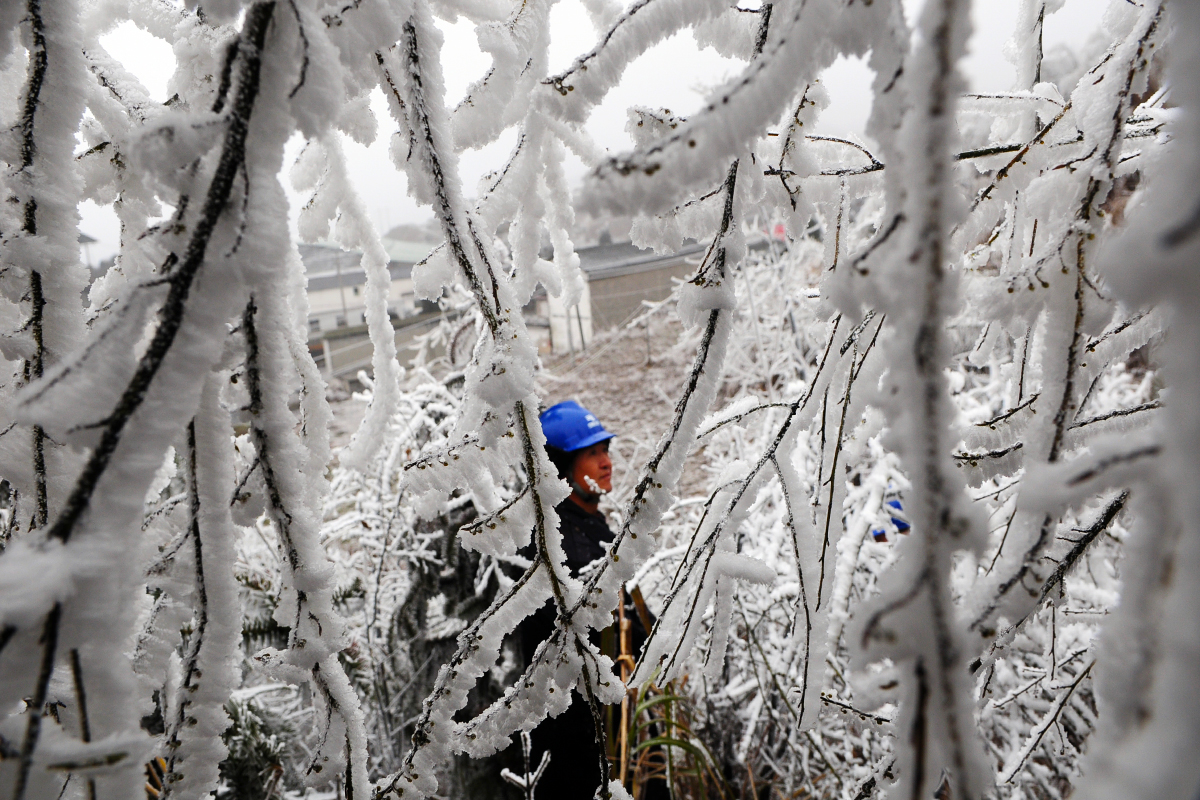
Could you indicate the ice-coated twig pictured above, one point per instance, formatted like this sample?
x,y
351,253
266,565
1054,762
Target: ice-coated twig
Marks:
x,y
1116,413
1004,171
31,102
834,479
972,458
171,316
1066,563
1006,415
644,23
527,781
1016,761
316,632
196,640
85,729
49,645
1132,63
209,666
1106,463
935,717
356,231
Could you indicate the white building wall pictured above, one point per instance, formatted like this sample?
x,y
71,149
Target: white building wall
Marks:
x,y
570,328
325,305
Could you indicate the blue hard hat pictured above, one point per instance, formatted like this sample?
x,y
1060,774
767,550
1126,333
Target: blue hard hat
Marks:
x,y
569,426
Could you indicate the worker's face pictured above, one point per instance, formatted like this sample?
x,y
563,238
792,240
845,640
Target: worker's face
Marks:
x,y
593,462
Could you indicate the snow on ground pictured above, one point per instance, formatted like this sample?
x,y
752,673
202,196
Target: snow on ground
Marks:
x,y
630,393
629,380
348,413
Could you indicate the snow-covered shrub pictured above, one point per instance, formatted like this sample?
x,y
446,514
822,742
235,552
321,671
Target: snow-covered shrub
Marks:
x,y
417,587
753,699
254,768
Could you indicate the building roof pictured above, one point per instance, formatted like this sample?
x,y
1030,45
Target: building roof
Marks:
x,y
625,258
329,266
410,252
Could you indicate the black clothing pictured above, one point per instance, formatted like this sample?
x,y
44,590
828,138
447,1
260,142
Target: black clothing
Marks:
x,y
574,769
583,535
583,538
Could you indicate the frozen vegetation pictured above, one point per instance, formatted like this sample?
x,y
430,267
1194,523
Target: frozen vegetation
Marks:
x,y
987,312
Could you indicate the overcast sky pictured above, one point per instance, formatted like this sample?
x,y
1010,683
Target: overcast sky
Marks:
x,y
676,69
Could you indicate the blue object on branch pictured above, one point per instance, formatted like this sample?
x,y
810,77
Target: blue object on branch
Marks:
x,y
896,509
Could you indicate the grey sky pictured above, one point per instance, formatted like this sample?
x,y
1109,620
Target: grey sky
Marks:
x,y
675,70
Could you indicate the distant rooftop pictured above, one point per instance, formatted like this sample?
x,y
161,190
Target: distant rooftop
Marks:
x,y
400,250
328,266
625,258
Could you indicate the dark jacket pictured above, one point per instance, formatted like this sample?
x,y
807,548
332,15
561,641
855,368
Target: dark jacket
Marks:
x,y
575,749
584,539
584,535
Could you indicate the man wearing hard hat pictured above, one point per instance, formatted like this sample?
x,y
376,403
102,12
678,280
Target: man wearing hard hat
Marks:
x,y
577,445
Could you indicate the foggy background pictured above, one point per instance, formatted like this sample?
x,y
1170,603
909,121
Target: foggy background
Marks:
x,y
675,68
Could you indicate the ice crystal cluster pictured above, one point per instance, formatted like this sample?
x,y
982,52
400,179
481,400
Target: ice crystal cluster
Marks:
x,y
987,311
